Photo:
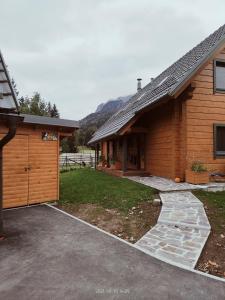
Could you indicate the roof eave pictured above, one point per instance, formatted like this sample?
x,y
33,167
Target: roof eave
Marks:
x,y
10,83
105,138
184,83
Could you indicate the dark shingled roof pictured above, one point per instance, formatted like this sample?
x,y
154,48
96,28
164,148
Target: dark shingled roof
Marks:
x,y
166,84
8,99
40,120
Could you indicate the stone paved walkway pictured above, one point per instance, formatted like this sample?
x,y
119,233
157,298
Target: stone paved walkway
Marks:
x,y
167,185
164,184
181,232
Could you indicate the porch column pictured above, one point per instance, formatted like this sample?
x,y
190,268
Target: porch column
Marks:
x,y
124,154
107,151
138,152
97,154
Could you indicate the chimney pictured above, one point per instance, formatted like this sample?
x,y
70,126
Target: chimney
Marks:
x,y
139,84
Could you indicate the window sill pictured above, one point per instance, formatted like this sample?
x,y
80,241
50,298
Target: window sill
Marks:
x,y
219,91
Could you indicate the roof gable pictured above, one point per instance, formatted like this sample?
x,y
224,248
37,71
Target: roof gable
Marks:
x,y
8,99
167,83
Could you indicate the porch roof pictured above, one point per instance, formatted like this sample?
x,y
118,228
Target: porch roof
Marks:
x,y
168,83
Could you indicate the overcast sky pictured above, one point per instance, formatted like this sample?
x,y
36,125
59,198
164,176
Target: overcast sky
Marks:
x,y
79,53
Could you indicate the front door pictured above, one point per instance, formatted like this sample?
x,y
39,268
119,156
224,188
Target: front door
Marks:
x,y
15,172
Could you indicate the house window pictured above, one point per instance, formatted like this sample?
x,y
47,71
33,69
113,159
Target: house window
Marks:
x,y
219,140
219,76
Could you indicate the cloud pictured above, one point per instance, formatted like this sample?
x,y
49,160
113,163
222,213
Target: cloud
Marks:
x,y
80,53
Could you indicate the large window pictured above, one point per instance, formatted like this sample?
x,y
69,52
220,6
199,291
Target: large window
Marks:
x,y
219,76
219,140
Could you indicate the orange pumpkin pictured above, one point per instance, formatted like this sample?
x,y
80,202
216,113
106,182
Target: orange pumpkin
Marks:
x,y
177,180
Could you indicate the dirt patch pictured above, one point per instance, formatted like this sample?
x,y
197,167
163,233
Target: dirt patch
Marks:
x,y
212,259
129,226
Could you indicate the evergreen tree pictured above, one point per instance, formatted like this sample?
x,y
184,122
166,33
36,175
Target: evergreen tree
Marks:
x,y
49,108
37,106
54,112
14,87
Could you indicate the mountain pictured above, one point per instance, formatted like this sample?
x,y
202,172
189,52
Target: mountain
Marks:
x,y
93,121
112,104
104,111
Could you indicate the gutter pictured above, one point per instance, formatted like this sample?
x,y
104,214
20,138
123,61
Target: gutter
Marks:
x,y
11,121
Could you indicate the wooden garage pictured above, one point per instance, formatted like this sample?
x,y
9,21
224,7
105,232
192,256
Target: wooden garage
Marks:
x,y
31,160
29,151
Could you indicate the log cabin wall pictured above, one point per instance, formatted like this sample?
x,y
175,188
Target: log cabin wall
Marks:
x,y
164,140
30,167
203,109
159,141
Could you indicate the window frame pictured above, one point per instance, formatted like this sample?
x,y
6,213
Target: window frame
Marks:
x,y
221,154
216,90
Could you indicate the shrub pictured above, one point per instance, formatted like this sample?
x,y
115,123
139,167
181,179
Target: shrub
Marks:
x,y
198,167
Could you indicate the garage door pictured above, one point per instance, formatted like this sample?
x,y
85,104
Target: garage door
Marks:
x,y
15,172
43,173
30,170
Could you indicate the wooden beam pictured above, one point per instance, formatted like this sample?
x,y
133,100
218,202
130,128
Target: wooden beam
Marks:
x,y
127,127
124,154
97,156
107,152
65,134
7,94
137,130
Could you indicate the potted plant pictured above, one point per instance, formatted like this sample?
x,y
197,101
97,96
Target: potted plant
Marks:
x,y
101,161
112,163
198,173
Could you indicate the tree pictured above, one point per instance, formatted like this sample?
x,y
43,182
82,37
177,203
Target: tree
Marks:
x,y
14,87
24,104
37,106
69,144
54,112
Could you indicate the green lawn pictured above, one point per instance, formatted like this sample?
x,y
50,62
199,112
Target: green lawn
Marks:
x,y
85,149
90,186
215,204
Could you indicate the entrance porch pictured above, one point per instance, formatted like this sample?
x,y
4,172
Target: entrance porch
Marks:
x,y
122,156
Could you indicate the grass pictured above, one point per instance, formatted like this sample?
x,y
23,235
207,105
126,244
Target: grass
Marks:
x,y
85,186
85,149
215,205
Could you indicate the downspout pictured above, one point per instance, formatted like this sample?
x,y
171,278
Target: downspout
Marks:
x,y
12,124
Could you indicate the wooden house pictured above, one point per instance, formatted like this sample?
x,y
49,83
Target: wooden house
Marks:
x,y
31,158
176,119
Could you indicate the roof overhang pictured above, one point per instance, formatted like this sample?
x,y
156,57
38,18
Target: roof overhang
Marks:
x,y
8,103
61,124
182,85
124,129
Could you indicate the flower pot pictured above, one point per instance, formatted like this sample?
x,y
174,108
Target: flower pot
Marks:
x,y
118,165
113,167
196,177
